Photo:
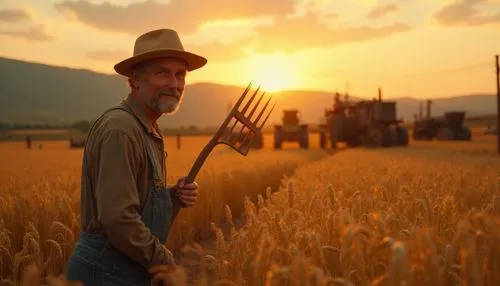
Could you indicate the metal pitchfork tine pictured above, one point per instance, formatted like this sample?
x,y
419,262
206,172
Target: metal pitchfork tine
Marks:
x,y
241,142
244,138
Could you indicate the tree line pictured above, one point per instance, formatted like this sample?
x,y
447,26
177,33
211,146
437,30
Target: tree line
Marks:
x,y
80,125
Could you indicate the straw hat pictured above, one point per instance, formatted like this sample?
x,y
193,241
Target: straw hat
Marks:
x,y
159,43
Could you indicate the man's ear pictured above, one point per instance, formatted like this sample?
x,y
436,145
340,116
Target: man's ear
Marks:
x,y
134,80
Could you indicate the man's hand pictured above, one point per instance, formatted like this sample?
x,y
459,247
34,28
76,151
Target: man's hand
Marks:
x,y
186,193
161,274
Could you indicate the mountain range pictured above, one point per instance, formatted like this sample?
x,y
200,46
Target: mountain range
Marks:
x,y
33,93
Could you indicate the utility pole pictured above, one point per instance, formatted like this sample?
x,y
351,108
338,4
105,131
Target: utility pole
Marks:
x,y
498,104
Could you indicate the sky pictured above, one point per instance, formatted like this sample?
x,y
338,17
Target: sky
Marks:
x,y
414,48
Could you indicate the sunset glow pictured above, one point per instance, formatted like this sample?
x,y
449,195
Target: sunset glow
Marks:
x,y
411,48
249,142
273,73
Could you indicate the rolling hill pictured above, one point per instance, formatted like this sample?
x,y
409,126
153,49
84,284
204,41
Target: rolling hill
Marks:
x,y
42,94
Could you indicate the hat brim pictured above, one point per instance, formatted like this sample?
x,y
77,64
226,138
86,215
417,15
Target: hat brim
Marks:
x,y
193,61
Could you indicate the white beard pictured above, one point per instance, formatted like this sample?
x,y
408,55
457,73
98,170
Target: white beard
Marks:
x,y
166,104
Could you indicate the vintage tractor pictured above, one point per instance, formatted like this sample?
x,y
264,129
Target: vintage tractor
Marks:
x,y
77,143
291,130
370,123
447,127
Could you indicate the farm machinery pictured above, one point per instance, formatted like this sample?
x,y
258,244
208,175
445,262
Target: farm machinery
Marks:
x,y
370,123
291,130
77,143
447,127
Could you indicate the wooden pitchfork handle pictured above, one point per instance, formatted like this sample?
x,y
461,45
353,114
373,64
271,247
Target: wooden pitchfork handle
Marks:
x,y
243,141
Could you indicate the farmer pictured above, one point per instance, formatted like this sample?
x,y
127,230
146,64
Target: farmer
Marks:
x,y
126,208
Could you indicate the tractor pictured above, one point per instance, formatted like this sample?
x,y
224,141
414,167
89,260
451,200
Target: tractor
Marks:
x,y
77,143
291,130
447,127
370,123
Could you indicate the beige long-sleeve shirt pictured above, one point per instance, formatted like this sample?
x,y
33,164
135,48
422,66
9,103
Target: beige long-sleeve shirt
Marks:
x,y
116,176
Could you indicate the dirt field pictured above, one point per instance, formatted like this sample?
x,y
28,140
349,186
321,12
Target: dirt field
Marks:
x,y
422,215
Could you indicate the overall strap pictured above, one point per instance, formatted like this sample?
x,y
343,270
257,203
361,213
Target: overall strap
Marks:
x,y
157,173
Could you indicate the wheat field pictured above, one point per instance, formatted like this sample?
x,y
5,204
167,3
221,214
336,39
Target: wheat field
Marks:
x,y
423,215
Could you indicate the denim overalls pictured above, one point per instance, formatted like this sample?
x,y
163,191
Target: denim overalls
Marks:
x,y
96,262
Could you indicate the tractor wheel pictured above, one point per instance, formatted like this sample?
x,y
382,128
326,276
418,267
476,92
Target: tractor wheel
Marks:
x,y
399,136
354,141
370,139
394,135
386,136
304,141
364,140
277,139
380,136
335,131
465,134
444,133
403,136
322,140
333,140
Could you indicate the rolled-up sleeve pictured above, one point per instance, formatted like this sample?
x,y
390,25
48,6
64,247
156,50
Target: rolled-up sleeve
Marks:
x,y
118,203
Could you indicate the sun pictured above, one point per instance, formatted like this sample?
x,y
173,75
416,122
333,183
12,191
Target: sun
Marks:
x,y
273,73
273,78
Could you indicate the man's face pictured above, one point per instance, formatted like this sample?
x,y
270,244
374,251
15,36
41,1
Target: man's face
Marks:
x,y
161,84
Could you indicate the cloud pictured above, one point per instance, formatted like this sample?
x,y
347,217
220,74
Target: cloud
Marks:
x,y
225,40
108,55
37,33
224,34
293,34
13,15
185,16
382,10
465,12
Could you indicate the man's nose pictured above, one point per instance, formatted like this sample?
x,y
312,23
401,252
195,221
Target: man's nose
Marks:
x,y
171,81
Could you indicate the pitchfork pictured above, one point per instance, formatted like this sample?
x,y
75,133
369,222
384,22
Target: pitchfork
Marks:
x,y
241,141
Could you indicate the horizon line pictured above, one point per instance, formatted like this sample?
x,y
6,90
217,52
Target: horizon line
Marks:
x,y
332,92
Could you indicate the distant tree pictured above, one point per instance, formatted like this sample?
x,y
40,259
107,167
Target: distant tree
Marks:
x,y
81,125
